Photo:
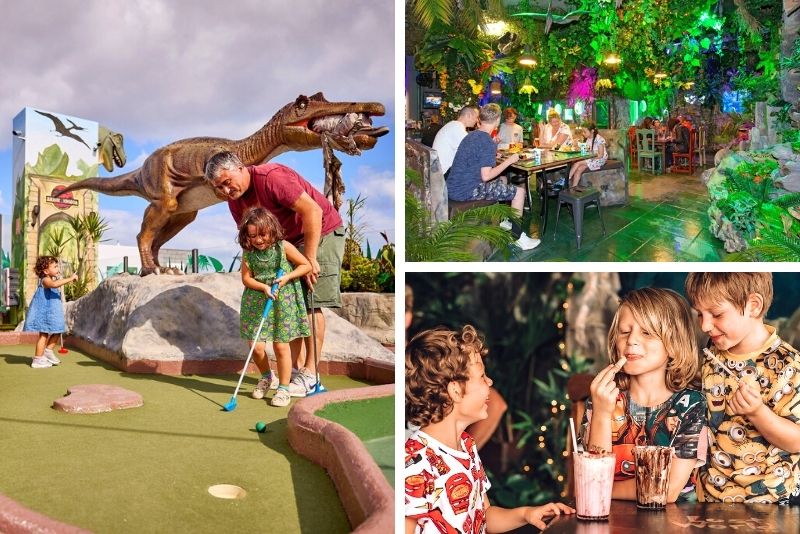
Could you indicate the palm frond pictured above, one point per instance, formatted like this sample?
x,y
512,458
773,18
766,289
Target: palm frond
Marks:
x,y
453,240
430,11
771,245
787,201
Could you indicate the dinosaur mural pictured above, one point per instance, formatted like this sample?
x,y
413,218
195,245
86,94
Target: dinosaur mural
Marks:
x,y
171,178
61,128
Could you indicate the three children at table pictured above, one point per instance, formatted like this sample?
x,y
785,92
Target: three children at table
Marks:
x,y
748,428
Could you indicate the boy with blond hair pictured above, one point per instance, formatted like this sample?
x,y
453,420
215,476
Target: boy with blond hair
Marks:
x,y
754,402
445,483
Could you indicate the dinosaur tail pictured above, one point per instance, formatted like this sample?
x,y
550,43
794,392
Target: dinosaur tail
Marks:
x,y
123,185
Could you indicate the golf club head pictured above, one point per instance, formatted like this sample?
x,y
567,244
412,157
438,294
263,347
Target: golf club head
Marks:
x,y
319,388
230,406
62,350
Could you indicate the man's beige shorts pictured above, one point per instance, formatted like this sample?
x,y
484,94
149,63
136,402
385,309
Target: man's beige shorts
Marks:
x,y
327,290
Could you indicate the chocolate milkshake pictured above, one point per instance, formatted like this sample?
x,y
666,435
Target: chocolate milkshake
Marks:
x,y
652,476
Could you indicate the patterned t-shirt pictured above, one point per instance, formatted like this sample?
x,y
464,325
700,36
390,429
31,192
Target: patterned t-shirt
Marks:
x,y
679,422
445,488
744,466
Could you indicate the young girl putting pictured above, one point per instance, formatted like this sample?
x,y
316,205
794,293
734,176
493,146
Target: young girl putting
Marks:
x,y
46,314
643,398
264,252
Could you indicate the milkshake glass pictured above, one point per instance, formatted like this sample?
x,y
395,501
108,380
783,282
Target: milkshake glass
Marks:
x,y
652,475
594,480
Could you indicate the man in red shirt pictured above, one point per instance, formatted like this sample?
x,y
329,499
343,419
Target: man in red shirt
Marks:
x,y
310,222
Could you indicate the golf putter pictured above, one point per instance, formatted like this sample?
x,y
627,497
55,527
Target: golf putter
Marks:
x,y
319,388
267,307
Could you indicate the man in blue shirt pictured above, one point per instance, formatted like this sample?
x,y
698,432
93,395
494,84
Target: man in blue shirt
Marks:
x,y
474,173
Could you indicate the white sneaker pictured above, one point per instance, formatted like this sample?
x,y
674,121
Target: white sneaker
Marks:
x,y
41,363
302,384
505,224
51,357
527,243
281,398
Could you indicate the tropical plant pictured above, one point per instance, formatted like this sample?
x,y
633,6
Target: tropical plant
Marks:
x,y
87,231
353,230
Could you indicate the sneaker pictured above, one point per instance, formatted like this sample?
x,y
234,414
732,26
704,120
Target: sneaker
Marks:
x,y
51,357
302,384
281,398
505,224
41,363
527,243
263,385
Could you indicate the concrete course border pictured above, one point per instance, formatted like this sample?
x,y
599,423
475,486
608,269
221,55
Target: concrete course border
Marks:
x,y
367,497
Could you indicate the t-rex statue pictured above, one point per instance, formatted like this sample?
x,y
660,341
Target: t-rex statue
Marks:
x,y
171,178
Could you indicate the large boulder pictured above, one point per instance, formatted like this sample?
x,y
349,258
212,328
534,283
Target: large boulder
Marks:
x,y
373,313
193,317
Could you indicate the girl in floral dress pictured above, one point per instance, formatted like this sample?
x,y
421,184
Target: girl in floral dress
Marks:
x,y
597,145
264,253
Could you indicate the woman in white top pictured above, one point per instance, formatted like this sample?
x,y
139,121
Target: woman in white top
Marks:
x,y
556,132
510,131
597,145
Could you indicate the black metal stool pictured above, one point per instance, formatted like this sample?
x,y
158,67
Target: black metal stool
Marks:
x,y
577,199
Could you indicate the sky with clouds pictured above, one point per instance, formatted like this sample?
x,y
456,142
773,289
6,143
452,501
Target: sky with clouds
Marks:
x,y
162,70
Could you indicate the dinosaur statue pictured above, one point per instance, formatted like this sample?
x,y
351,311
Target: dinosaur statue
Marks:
x,y
171,178
62,129
551,19
110,148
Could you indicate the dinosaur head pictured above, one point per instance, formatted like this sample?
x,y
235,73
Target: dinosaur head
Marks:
x,y
110,149
346,125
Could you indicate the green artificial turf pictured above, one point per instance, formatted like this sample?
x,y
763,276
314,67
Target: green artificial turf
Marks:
x,y
148,469
372,420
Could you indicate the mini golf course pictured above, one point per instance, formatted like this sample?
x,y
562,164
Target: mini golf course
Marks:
x,y
377,433
148,469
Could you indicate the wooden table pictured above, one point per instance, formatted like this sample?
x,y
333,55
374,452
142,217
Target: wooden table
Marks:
x,y
626,518
551,160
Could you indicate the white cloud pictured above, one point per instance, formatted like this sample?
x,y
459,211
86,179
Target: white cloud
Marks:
x,y
161,70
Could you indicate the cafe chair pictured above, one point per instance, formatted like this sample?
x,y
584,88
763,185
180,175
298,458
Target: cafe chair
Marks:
x,y
577,199
646,147
548,185
632,148
683,162
700,148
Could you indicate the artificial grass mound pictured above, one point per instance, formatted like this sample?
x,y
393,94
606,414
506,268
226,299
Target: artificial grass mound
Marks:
x,y
148,469
372,420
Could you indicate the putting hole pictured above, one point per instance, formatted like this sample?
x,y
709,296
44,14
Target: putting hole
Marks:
x,y
227,491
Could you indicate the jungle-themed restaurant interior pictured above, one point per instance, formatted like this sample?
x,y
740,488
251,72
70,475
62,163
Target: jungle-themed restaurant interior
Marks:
x,y
621,130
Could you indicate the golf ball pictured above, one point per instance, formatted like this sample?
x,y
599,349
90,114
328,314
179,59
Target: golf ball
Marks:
x,y
261,426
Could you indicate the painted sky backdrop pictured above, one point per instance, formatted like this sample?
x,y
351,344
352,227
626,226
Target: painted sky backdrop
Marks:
x,y
162,70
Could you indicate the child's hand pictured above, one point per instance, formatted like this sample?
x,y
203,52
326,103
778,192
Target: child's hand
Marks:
x,y
604,390
73,277
268,292
281,281
746,400
535,514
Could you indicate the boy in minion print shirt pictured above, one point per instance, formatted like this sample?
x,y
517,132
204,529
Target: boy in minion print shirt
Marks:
x,y
754,415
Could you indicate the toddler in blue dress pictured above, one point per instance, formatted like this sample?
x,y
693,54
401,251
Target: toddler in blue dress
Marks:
x,y
45,313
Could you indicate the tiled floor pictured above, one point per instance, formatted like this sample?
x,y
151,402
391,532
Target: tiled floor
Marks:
x,y
665,220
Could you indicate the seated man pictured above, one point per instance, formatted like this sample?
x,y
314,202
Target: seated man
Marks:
x,y
474,173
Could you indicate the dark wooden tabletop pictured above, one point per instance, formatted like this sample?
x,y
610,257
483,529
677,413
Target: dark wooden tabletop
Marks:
x,y
550,159
626,518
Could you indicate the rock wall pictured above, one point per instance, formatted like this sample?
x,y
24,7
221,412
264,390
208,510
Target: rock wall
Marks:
x,y
373,313
433,194
192,317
